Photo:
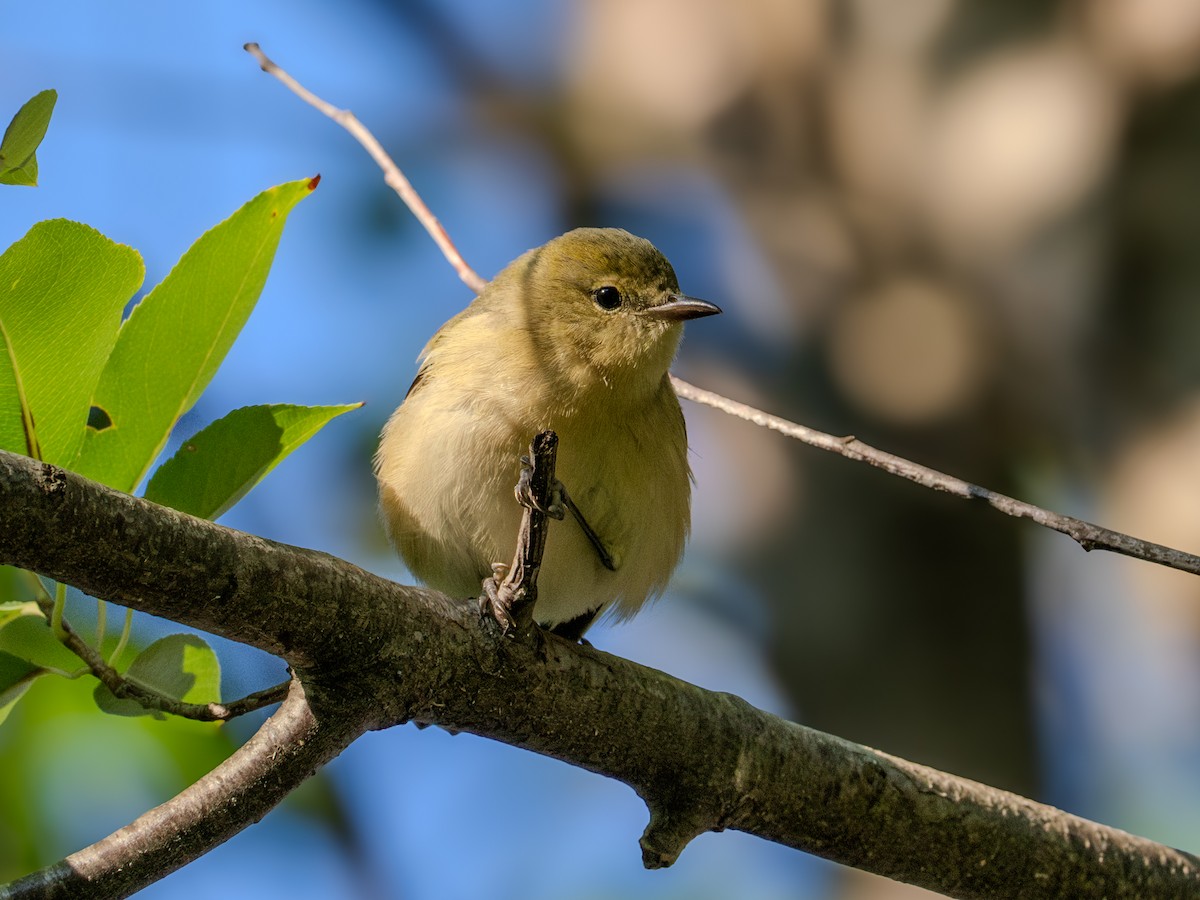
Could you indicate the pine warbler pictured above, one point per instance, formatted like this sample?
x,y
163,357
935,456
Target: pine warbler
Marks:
x,y
574,336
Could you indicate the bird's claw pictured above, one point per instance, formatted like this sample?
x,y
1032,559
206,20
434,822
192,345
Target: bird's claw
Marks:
x,y
499,598
560,504
526,496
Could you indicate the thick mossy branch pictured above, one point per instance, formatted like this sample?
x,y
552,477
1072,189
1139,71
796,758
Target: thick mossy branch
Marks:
x,y
385,653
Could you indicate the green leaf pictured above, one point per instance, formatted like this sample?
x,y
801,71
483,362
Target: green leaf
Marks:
x,y
18,160
171,345
26,645
216,468
16,675
13,609
62,289
29,637
181,666
15,590
21,176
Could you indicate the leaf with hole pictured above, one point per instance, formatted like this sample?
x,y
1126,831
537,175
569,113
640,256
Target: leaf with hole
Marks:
x,y
172,343
62,289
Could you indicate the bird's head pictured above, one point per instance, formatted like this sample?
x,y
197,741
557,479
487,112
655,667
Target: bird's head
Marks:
x,y
605,301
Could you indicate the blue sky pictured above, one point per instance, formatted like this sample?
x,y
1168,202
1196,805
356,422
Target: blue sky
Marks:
x,y
164,126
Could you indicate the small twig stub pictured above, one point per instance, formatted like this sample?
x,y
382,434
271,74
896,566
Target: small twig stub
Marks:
x,y
510,602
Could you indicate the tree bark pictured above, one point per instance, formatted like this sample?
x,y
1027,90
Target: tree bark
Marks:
x,y
379,654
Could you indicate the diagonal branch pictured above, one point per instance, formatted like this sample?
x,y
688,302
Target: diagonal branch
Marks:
x,y
370,654
289,747
1089,536
393,177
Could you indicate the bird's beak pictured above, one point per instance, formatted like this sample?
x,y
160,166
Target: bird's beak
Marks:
x,y
677,308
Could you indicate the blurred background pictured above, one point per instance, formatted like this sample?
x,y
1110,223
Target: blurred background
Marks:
x,y
960,231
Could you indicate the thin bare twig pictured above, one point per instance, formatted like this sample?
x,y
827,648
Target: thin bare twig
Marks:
x,y
1089,536
124,689
391,172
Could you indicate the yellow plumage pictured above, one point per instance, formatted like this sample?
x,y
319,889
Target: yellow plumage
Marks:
x,y
548,344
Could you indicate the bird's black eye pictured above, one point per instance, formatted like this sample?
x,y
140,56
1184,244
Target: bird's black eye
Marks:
x,y
607,297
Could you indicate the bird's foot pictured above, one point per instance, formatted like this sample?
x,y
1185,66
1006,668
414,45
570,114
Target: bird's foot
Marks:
x,y
499,597
560,503
510,594
528,498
